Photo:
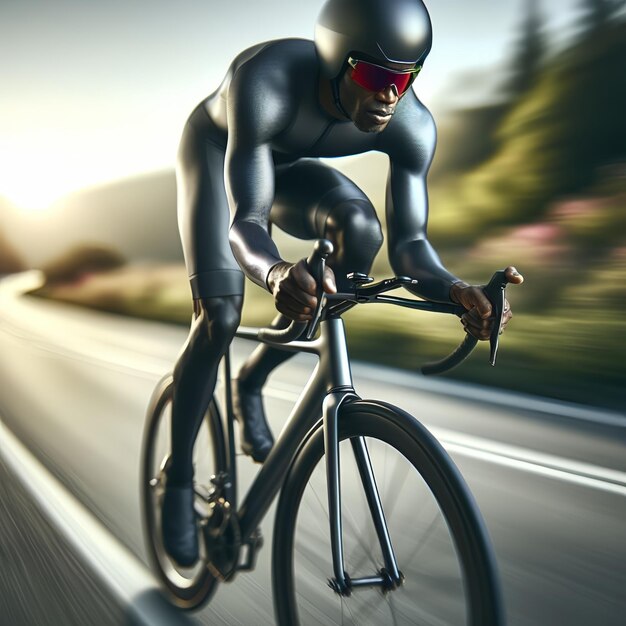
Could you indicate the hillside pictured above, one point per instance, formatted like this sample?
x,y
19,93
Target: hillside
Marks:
x,y
136,217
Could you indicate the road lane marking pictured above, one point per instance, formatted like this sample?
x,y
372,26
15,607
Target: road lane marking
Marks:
x,y
524,459
534,468
114,564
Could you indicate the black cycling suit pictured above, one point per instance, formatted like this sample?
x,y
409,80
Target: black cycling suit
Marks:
x,y
265,127
251,150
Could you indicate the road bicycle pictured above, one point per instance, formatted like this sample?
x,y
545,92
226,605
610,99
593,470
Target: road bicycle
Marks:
x,y
374,524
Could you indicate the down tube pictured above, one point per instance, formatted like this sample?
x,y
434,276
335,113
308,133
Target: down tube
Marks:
x,y
270,477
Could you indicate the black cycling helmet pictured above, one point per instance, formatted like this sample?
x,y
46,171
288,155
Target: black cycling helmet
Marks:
x,y
396,31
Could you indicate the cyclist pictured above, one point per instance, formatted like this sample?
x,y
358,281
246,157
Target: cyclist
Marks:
x,y
251,149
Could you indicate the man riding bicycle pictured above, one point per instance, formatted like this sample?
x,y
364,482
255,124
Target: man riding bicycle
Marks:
x,y
251,150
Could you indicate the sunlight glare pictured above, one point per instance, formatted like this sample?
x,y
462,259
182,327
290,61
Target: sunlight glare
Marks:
x,y
34,176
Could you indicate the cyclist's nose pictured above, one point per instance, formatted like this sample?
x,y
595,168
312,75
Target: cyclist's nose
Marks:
x,y
389,94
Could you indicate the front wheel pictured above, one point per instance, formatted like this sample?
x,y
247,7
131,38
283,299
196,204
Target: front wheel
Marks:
x,y
438,536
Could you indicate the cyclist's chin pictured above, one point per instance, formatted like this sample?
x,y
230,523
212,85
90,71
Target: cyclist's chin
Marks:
x,y
370,128
370,124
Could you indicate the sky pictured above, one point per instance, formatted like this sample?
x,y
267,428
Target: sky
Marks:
x,y
93,91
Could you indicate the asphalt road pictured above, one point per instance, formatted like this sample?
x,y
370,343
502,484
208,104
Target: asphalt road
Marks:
x,y
74,384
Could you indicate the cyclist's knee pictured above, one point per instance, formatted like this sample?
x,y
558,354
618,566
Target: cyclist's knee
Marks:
x,y
357,224
219,319
357,235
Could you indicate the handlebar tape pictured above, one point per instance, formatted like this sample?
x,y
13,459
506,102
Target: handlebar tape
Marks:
x,y
453,359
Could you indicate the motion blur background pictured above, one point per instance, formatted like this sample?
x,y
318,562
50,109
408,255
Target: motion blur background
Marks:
x,y
529,98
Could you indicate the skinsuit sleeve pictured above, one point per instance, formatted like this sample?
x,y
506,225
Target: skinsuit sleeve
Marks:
x,y
410,143
256,113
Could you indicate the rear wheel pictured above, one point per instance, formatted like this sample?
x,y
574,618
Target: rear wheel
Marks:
x,y
188,588
440,542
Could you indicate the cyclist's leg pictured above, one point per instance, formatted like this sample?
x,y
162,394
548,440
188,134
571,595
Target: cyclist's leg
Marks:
x,y
314,200
217,288
195,374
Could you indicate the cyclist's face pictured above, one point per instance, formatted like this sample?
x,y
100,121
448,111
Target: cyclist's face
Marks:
x,y
370,111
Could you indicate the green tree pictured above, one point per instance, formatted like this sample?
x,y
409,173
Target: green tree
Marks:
x,y
530,52
596,14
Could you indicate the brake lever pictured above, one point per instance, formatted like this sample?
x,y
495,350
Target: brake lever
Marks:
x,y
316,264
495,292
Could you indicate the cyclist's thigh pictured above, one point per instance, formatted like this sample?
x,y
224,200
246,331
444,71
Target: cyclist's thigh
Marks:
x,y
203,213
314,200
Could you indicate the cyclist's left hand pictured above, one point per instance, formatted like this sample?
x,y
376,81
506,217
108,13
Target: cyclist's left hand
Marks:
x,y
477,320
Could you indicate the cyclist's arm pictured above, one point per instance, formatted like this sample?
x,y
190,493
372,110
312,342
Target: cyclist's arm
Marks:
x,y
410,252
255,115
411,146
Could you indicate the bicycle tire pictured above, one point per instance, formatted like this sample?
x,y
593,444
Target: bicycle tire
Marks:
x,y
187,588
389,429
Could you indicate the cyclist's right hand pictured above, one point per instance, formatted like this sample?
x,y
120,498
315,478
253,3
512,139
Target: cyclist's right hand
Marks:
x,y
293,288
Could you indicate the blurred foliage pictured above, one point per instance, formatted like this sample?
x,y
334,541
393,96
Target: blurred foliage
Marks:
x,y
551,199
555,141
529,53
159,292
467,140
78,262
595,14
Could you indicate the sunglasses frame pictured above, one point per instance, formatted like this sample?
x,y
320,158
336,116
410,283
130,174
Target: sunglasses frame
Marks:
x,y
352,62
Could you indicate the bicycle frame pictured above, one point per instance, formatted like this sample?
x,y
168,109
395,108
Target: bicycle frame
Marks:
x,y
328,387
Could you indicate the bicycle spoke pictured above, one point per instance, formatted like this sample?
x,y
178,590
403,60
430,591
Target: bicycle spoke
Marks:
x,y
430,524
363,556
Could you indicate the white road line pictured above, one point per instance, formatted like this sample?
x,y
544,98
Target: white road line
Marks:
x,y
526,466
528,460
117,568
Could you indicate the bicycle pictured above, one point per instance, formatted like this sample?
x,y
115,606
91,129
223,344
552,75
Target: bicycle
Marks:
x,y
374,452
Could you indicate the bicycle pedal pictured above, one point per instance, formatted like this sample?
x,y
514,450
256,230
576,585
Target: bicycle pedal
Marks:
x,y
252,546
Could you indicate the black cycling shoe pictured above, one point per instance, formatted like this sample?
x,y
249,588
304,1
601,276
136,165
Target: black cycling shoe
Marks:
x,y
256,437
178,525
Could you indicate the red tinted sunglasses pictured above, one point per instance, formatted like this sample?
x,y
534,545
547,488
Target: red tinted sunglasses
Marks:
x,y
377,77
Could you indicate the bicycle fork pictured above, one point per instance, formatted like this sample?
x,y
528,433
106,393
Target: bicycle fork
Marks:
x,y
389,577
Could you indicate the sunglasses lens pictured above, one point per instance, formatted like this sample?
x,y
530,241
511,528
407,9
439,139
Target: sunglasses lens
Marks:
x,y
375,78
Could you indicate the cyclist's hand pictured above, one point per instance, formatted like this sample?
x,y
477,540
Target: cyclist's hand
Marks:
x,y
477,320
293,288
